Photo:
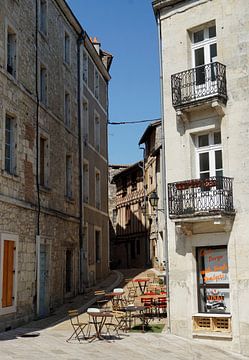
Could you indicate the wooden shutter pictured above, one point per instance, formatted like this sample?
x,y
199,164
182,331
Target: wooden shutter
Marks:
x,y
8,273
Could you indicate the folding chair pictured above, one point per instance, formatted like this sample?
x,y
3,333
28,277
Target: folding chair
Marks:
x,y
101,299
78,326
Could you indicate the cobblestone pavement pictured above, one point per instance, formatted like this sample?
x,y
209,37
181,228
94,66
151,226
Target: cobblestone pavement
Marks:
x,y
52,333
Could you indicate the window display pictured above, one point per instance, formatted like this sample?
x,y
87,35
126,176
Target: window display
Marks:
x,y
213,279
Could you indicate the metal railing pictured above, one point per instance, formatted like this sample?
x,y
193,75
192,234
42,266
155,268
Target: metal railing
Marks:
x,y
198,84
200,197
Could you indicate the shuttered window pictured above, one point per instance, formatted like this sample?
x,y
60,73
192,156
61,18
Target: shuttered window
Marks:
x,y
8,273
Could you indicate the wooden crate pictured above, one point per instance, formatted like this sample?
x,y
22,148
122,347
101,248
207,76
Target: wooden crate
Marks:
x,y
211,324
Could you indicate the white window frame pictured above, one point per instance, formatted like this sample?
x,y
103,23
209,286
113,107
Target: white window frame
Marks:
x,y
15,238
97,131
211,148
203,44
86,182
97,189
43,17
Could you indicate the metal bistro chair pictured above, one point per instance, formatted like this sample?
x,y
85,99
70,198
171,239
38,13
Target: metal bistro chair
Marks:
x,y
77,325
101,298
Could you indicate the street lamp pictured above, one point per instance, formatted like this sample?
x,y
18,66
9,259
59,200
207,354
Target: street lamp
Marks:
x,y
153,199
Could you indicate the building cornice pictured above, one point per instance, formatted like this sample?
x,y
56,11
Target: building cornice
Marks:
x,y
160,4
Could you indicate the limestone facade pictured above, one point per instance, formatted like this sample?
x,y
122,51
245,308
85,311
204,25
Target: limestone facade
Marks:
x,y
193,35
42,152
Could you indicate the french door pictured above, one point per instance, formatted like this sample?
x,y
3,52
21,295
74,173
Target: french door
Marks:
x,y
204,50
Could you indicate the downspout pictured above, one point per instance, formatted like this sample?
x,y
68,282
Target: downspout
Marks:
x,y
80,40
37,239
164,181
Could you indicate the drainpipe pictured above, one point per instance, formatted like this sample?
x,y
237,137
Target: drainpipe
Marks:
x,y
164,181
80,41
37,238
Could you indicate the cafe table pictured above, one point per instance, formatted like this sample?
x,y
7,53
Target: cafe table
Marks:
x,y
142,282
98,320
141,312
116,299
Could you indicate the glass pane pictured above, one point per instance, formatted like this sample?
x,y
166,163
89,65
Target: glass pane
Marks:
x,y
204,162
203,140
218,159
217,137
219,173
199,57
198,36
212,31
213,52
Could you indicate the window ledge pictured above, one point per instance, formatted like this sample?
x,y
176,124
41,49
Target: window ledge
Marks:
x,y
219,315
70,200
10,176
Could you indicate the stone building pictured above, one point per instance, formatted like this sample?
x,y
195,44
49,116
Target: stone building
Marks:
x,y
155,222
204,55
53,86
130,248
112,190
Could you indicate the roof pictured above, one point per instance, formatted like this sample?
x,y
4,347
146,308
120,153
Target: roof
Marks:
x,y
149,130
126,171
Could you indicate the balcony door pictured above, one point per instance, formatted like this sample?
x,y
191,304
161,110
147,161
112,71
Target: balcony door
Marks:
x,y
204,49
209,168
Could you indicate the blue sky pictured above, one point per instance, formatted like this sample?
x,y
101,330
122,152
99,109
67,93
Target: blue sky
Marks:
x,y
127,29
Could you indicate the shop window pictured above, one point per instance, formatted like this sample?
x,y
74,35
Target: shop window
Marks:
x,y
213,280
97,246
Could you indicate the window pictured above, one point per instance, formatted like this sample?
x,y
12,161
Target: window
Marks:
x,y
67,48
43,85
69,175
204,49
96,84
10,145
11,52
97,246
69,270
97,190
97,132
8,263
85,67
133,182
209,155
67,111
114,216
43,16
213,280
85,182
85,120
43,162
127,214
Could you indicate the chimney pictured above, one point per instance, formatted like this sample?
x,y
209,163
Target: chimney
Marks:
x,y
96,44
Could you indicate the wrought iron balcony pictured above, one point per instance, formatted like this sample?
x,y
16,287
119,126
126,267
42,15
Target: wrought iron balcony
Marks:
x,y
201,197
199,84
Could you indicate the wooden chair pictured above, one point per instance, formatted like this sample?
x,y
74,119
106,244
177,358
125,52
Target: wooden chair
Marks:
x,y
161,306
77,325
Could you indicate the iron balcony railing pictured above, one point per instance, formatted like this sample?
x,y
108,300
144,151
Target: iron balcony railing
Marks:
x,y
198,84
200,197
